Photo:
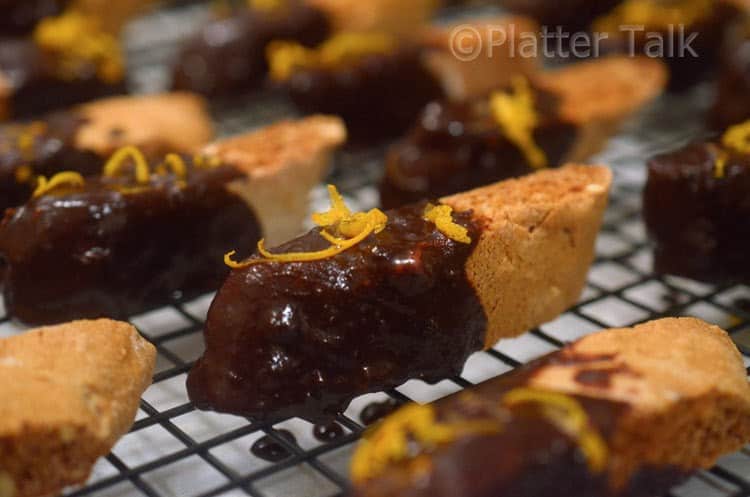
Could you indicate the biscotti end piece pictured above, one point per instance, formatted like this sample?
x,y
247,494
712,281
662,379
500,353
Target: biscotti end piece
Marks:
x,y
485,63
167,122
283,162
683,381
69,393
600,94
531,262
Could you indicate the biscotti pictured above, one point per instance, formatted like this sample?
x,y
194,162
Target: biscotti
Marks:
x,y
143,234
624,412
546,120
367,301
69,393
81,138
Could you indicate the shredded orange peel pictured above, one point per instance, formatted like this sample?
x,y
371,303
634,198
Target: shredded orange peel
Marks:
x,y
118,160
567,414
286,56
736,138
70,178
514,112
348,229
78,40
441,216
389,442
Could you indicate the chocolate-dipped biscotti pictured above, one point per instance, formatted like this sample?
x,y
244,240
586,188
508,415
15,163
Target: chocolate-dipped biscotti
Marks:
x,y
228,54
376,82
80,139
559,116
367,301
696,209
621,413
67,60
143,234
69,393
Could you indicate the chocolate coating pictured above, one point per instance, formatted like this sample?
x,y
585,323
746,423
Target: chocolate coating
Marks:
x,y
34,86
528,456
378,95
455,147
732,104
698,222
228,54
98,252
304,338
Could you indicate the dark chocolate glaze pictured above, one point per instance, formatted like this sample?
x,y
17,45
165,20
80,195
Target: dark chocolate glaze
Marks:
x,y
699,223
98,252
328,432
36,89
228,54
378,95
572,15
19,17
52,149
455,147
304,338
685,71
377,410
269,449
528,457
732,104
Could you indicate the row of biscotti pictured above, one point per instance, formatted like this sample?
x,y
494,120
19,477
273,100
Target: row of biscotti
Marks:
x,y
621,413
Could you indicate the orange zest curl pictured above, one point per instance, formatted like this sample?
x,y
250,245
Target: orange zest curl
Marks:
x,y
69,178
348,229
441,216
567,414
514,112
286,56
77,40
176,164
737,139
390,441
117,161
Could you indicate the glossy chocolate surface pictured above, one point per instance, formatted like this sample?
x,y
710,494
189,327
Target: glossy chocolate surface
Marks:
x,y
698,222
36,89
304,338
19,17
455,147
732,104
228,54
44,147
99,251
528,456
378,95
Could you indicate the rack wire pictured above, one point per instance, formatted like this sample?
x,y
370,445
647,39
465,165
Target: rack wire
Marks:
x,y
174,450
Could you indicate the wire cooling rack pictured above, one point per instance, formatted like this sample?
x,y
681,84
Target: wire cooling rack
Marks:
x,y
174,450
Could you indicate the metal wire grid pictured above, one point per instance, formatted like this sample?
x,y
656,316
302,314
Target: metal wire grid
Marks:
x,y
175,451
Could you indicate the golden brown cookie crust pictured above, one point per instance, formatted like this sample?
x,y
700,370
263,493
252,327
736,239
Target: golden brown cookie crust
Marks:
x,y
69,393
167,122
531,262
283,162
